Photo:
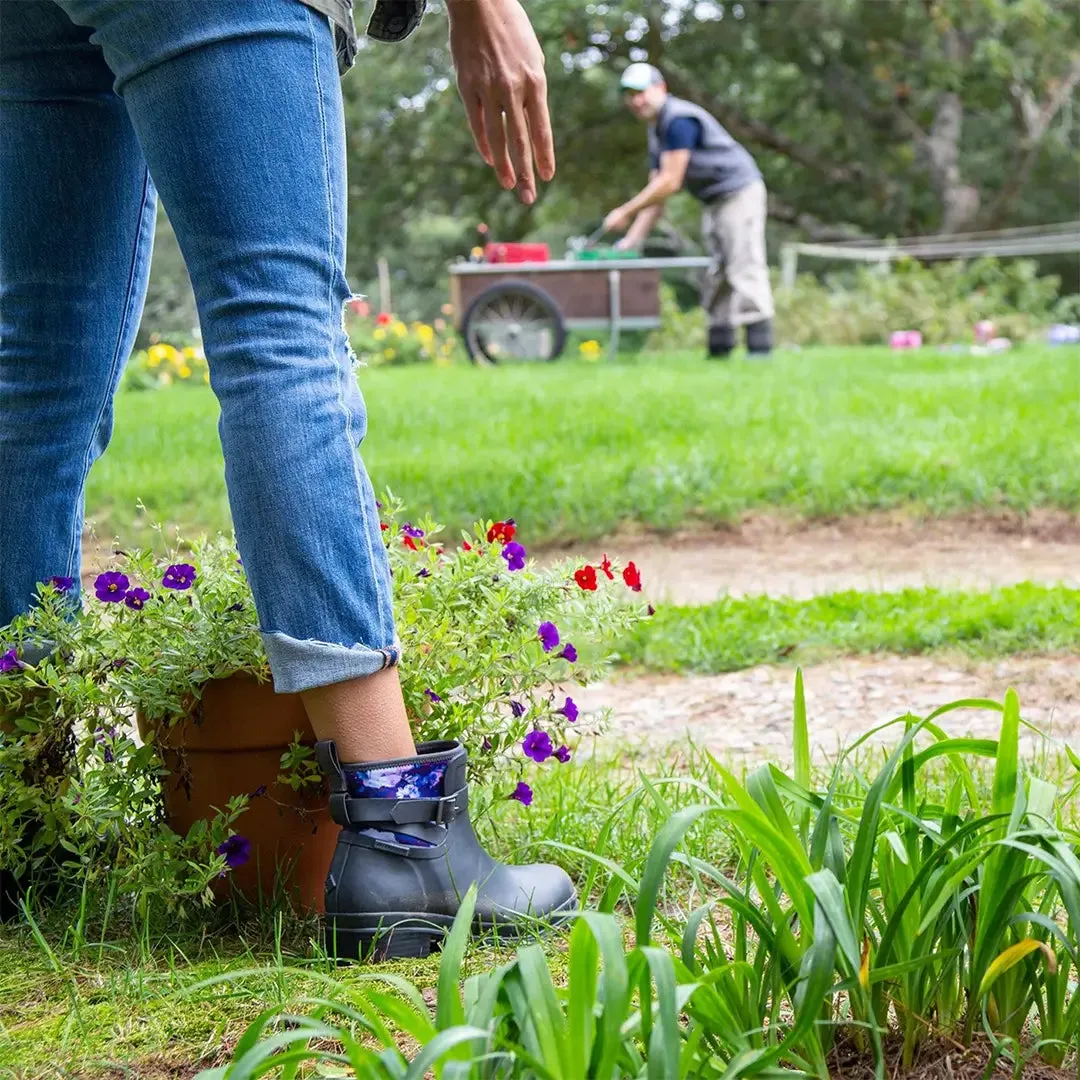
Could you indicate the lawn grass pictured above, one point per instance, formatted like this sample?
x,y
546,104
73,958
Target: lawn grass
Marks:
x,y
732,634
126,1003
575,450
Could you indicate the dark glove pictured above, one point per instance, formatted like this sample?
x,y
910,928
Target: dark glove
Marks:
x,y
395,20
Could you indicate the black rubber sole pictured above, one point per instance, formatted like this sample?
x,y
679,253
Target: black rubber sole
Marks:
x,y
402,935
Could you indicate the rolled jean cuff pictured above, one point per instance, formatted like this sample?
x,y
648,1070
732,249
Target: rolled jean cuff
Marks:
x,y
303,665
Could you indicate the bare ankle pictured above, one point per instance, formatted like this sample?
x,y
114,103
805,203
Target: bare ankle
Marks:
x,y
365,717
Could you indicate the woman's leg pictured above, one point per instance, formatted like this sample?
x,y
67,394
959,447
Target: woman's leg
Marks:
x,y
76,228
238,111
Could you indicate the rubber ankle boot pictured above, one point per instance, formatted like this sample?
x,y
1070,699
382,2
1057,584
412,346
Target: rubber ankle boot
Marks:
x,y
407,854
721,342
759,338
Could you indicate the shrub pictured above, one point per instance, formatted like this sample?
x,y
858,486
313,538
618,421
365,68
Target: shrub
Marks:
x,y
862,306
164,364
387,340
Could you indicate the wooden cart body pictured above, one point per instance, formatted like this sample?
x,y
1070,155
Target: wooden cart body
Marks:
x,y
591,294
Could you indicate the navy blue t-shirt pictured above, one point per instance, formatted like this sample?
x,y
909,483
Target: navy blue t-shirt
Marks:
x,y
683,133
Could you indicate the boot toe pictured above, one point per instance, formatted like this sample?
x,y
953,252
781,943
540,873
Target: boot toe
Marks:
x,y
541,892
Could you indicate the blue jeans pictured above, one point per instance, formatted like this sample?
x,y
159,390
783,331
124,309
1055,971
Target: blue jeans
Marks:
x,y
233,112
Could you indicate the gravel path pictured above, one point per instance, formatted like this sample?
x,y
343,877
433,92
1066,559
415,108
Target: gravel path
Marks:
x,y
748,713
780,557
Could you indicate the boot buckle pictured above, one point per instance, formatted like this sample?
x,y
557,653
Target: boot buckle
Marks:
x,y
449,807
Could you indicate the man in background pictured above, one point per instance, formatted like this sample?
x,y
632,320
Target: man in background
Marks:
x,y
689,148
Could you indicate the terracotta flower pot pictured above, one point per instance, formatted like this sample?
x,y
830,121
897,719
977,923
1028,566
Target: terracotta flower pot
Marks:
x,y
232,745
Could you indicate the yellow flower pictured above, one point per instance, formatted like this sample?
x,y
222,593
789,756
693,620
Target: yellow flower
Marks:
x,y
193,352
400,329
590,350
206,377
184,371
157,354
172,353
379,334
389,353
425,334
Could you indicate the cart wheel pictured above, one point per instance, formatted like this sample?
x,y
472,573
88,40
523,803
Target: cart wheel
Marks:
x,y
513,322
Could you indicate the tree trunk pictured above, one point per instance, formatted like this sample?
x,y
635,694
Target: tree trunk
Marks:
x,y
959,201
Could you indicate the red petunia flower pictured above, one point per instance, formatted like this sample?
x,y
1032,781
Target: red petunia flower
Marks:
x,y
586,578
632,577
466,546
384,318
412,544
503,531
606,567
383,526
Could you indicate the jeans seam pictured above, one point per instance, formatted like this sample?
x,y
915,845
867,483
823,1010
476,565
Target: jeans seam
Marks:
x,y
381,600
76,530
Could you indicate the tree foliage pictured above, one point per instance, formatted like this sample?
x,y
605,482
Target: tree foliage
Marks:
x,y
885,118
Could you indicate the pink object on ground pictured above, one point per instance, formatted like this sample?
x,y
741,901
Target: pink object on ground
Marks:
x,y
905,339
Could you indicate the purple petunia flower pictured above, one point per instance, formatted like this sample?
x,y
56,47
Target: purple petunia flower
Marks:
x,y
514,554
523,794
549,635
62,584
237,850
100,737
136,598
378,505
537,745
563,754
9,661
179,576
111,586
517,709
486,744
259,792
423,572
432,695
569,710
569,653
413,531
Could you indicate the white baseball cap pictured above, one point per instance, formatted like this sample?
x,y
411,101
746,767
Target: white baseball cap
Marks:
x,y
640,77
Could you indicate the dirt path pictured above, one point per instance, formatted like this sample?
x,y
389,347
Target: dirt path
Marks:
x,y
879,552
749,712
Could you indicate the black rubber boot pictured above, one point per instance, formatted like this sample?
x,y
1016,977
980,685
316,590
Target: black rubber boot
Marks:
x,y
387,899
759,338
721,342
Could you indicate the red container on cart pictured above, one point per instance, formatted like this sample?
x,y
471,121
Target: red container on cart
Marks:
x,y
516,253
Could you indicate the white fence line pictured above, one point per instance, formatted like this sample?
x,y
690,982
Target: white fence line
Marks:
x,y
1062,238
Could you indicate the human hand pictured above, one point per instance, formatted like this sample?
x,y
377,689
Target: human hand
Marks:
x,y
618,220
500,77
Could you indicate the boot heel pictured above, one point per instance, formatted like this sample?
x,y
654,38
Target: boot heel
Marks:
x,y
374,946
401,945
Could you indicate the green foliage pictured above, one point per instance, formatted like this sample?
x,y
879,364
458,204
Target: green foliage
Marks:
x,y
385,340
863,907
861,307
77,787
164,364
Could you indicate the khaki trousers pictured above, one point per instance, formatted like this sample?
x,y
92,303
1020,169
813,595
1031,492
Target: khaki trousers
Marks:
x,y
736,290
